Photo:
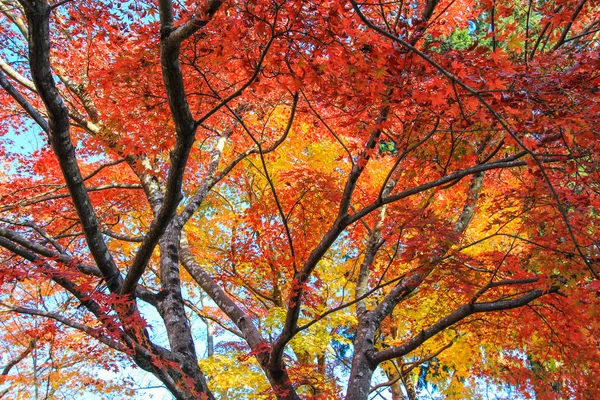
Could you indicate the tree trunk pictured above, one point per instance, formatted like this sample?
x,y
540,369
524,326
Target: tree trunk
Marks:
x,y
362,368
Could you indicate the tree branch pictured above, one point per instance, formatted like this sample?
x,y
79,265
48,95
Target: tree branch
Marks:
x,y
508,162
567,27
277,374
414,278
8,238
93,332
301,277
195,23
456,316
24,103
185,127
37,14
266,172
498,118
8,70
19,358
42,198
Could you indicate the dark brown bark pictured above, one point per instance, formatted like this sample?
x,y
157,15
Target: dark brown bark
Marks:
x,y
38,14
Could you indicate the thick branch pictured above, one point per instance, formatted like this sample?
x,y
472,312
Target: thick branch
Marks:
x,y
185,127
301,277
5,8
9,238
277,374
413,279
8,70
195,23
458,315
218,295
38,14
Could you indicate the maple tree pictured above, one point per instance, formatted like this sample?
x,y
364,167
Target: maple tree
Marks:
x,y
332,199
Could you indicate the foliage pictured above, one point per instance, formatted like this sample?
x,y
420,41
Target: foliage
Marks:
x,y
300,199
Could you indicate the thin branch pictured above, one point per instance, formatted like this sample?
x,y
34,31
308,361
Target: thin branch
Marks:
x,y
214,319
302,276
93,332
412,365
585,33
404,154
348,304
568,26
24,103
500,120
19,358
44,198
239,91
508,162
266,171
326,125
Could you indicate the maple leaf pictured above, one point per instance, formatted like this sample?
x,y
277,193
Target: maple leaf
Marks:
x,y
438,100
498,56
380,72
515,43
496,84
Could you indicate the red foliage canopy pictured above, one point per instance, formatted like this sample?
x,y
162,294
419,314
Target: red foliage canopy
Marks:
x,y
346,197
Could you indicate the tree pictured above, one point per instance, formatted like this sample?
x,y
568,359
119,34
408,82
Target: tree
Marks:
x,y
331,198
